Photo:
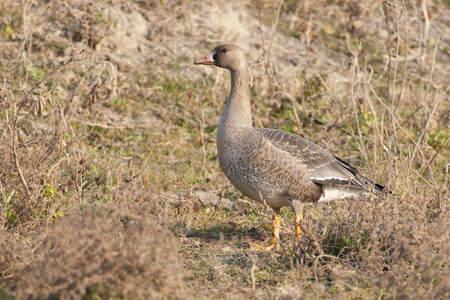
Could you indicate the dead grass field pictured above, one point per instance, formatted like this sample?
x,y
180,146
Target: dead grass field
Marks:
x,y
109,181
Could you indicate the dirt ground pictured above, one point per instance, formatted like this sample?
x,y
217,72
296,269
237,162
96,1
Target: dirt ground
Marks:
x,y
109,182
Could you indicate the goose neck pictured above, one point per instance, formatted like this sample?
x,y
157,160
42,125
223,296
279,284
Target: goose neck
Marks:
x,y
238,109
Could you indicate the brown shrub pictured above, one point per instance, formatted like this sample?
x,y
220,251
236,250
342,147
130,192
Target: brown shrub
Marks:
x,y
106,251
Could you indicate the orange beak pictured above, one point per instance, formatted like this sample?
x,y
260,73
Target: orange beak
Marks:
x,y
206,60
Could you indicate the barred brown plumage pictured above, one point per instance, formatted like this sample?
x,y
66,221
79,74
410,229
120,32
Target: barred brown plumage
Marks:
x,y
272,166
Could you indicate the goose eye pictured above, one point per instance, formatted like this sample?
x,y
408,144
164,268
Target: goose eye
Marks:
x,y
224,50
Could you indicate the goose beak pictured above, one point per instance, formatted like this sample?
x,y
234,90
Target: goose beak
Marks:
x,y
205,60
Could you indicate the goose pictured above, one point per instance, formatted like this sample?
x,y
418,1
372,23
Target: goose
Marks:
x,y
275,167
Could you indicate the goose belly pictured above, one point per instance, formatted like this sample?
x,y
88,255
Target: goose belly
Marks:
x,y
251,181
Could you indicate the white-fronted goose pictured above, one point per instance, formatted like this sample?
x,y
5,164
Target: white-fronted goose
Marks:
x,y
273,166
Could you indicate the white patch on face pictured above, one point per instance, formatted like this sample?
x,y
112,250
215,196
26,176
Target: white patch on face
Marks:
x,y
210,55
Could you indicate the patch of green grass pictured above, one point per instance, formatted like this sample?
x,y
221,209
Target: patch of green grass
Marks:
x,y
119,104
438,137
8,31
36,72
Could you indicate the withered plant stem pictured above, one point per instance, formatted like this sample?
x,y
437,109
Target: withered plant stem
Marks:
x,y
354,84
144,163
201,124
16,115
61,64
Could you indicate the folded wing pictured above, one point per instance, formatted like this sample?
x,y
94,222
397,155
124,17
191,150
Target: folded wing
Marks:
x,y
323,167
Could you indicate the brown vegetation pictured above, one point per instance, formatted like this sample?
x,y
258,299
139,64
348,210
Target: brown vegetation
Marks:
x,y
109,184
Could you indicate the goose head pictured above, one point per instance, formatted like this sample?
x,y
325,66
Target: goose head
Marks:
x,y
226,56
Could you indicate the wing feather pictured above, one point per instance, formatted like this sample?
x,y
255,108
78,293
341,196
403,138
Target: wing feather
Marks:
x,y
323,167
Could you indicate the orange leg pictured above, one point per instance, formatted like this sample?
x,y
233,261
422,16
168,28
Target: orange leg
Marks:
x,y
276,234
298,230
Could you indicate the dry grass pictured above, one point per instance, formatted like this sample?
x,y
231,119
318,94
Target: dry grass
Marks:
x,y
98,252
109,183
